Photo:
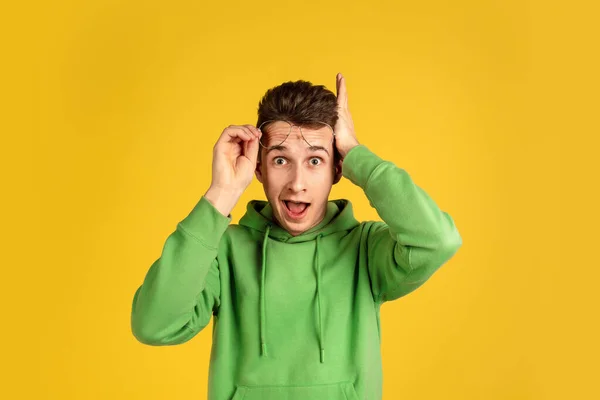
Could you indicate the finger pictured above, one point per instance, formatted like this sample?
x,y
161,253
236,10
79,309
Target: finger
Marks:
x,y
236,131
342,95
247,130
251,151
254,130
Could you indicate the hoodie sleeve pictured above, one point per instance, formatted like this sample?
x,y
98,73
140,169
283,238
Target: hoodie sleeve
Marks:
x,y
181,289
415,237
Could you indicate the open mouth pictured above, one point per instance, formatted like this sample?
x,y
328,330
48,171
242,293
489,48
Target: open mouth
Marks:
x,y
296,209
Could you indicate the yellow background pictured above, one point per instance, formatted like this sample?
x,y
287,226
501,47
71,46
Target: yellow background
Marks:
x,y
110,111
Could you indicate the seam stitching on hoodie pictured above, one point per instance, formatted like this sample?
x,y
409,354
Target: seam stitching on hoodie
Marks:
x,y
190,328
208,246
344,391
376,296
405,279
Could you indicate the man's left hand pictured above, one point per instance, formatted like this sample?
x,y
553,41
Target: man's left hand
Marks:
x,y
345,137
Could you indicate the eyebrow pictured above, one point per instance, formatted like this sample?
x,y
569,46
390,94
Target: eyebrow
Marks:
x,y
283,148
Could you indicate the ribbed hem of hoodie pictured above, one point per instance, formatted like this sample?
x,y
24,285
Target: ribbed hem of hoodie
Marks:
x,y
205,223
359,163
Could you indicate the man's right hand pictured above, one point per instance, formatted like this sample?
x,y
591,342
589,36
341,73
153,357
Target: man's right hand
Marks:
x,y
234,162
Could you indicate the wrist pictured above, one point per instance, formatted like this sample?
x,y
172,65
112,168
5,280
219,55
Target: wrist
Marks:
x,y
344,150
223,199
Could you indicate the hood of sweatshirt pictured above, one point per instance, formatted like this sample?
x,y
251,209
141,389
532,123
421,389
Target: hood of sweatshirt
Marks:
x,y
259,216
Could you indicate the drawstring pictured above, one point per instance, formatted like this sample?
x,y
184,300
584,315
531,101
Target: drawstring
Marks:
x,y
321,334
263,341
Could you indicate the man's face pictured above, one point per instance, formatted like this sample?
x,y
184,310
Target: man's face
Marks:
x,y
295,171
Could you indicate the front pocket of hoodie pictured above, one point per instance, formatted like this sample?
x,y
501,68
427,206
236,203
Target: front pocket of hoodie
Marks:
x,y
333,391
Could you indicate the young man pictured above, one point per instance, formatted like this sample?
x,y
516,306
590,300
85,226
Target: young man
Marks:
x,y
295,289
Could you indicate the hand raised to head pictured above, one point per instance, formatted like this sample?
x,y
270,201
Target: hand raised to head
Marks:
x,y
345,136
234,157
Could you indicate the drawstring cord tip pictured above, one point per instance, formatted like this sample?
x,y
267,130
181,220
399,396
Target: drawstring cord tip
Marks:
x,y
263,349
322,355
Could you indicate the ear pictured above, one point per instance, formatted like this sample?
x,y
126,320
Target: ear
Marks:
x,y
258,172
338,171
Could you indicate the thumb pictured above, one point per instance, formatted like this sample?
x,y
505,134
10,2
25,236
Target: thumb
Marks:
x,y
253,149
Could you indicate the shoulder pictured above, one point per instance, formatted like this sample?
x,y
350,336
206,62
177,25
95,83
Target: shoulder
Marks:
x,y
236,233
372,227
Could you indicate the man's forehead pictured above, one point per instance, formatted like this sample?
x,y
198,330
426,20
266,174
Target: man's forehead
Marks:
x,y
309,149
284,127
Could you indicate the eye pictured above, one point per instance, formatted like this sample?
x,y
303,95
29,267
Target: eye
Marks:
x,y
319,161
278,158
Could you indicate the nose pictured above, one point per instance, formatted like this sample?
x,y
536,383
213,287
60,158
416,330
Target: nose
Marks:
x,y
297,180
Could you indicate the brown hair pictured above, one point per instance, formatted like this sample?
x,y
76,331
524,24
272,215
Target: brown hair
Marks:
x,y
299,102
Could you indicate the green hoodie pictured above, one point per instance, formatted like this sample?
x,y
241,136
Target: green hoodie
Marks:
x,y
295,317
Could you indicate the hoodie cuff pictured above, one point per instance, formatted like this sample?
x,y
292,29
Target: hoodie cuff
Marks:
x,y
205,223
359,163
